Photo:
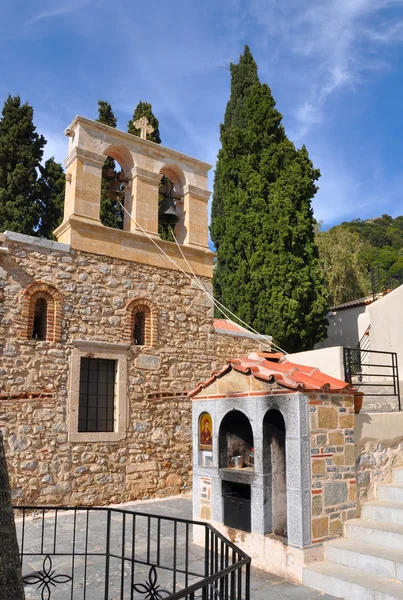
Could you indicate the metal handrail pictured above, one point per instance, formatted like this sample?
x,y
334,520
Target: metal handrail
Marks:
x,y
224,570
353,361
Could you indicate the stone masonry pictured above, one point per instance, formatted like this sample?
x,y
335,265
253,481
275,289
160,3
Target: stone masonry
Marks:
x,y
334,494
153,456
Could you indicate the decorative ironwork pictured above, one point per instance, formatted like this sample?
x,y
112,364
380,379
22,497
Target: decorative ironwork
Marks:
x,y
45,578
150,587
115,542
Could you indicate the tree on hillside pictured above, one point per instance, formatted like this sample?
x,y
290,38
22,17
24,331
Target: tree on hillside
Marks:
x,y
51,198
340,254
21,151
145,109
268,270
111,211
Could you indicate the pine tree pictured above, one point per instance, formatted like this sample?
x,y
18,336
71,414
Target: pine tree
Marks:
x,y
51,202
21,151
145,109
267,271
111,211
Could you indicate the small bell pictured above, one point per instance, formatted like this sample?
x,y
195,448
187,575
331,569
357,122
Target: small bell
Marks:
x,y
108,172
167,212
114,192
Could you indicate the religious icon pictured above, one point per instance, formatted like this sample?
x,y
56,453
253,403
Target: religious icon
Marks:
x,y
205,432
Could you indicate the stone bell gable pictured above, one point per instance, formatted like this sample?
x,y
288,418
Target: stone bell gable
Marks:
x,y
143,163
101,334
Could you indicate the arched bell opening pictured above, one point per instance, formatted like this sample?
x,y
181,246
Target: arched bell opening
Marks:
x,y
170,204
115,188
274,465
235,441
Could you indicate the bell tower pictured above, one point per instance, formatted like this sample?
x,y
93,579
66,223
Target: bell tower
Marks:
x,y
143,164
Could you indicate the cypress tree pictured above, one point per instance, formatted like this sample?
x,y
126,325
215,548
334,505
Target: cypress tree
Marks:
x,y
145,109
21,151
267,271
51,202
111,212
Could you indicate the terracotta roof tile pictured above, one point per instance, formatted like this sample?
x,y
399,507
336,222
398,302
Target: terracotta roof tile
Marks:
x,y
273,367
227,326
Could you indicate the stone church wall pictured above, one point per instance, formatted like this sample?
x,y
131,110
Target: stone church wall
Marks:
x,y
153,457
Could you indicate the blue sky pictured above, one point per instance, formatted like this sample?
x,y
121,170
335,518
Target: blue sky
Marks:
x,y
334,67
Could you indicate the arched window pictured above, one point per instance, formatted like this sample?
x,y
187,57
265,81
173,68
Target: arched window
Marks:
x,y
139,334
41,313
40,319
142,326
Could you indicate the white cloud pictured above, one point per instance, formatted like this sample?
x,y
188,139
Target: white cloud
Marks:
x,y
70,6
332,43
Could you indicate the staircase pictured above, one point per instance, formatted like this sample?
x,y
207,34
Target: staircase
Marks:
x,y
367,564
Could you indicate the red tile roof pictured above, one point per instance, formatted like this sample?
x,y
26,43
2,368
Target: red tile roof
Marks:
x,y
275,367
227,326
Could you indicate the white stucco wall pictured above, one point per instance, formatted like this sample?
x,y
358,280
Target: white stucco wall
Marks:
x,y
343,329
386,315
328,360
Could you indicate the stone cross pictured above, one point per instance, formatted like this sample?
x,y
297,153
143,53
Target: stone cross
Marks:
x,y
144,126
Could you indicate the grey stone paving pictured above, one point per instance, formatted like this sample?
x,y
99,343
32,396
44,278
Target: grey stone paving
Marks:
x,y
263,585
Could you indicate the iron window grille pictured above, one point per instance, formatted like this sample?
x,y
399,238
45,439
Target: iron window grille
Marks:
x,y
97,395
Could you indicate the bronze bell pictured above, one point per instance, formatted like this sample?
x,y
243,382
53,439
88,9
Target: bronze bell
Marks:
x,y
167,212
114,192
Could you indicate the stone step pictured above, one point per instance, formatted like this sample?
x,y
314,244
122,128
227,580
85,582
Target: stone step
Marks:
x,y
387,535
390,491
379,408
382,562
384,511
397,475
349,583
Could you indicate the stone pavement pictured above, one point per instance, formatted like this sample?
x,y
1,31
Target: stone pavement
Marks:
x,y
264,586
40,538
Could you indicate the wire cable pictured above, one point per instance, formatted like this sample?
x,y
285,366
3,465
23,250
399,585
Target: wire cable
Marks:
x,y
217,303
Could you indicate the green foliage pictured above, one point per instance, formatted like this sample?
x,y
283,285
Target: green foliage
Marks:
x,y
381,252
51,202
340,254
31,194
105,114
145,109
21,151
267,270
111,212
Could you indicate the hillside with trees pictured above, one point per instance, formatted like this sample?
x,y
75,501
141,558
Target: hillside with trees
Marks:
x,y
362,257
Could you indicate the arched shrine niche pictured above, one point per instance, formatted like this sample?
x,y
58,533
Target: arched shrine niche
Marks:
x,y
115,188
274,465
170,204
236,442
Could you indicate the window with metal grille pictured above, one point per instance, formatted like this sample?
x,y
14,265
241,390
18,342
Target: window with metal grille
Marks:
x,y
97,394
40,318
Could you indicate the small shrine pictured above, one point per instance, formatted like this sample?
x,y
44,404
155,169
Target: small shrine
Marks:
x,y
273,458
